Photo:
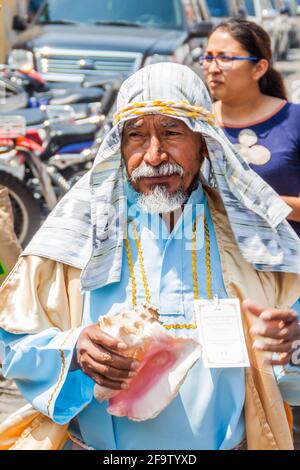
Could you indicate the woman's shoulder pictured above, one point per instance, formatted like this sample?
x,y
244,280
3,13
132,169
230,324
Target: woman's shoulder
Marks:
x,y
293,108
290,114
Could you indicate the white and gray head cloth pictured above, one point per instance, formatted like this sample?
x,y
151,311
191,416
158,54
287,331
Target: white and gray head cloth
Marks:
x,y
86,228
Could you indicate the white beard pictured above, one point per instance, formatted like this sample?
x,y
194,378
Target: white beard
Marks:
x,y
160,200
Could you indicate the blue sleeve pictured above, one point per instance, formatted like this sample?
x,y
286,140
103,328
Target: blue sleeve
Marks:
x,y
40,365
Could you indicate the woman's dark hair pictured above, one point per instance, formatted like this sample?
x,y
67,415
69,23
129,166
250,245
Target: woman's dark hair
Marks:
x,y
256,41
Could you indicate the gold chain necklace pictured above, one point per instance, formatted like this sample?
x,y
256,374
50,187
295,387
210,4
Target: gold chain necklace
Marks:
x,y
194,270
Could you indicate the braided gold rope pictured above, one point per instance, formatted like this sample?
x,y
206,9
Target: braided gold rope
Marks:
x,y
141,262
194,270
131,272
207,261
194,260
173,108
62,371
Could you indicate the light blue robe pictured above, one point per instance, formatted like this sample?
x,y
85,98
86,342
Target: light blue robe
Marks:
x,y
207,413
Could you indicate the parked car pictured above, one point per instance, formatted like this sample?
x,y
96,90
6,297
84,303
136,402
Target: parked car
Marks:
x,y
266,15
221,10
70,39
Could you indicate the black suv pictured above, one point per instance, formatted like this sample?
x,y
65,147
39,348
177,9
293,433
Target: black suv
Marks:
x,y
69,40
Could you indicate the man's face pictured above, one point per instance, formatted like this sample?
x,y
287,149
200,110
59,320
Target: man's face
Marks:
x,y
154,140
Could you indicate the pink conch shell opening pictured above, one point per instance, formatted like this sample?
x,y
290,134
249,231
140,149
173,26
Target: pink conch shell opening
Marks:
x,y
164,363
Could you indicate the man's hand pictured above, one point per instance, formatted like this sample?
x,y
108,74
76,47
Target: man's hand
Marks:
x,y
278,325
100,357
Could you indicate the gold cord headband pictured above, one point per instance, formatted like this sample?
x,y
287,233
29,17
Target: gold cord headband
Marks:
x,y
173,108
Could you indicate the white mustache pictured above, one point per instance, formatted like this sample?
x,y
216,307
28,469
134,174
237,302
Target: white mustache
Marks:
x,y
148,171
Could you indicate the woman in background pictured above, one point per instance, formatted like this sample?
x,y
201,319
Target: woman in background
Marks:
x,y
252,108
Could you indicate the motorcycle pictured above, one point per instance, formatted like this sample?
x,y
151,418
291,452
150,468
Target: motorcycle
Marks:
x,y
35,174
22,89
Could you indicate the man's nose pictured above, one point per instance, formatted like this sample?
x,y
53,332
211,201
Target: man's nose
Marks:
x,y
155,154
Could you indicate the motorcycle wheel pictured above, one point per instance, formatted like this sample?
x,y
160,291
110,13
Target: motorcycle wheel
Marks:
x,y
27,212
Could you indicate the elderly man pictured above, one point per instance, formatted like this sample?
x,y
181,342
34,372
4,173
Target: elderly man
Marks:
x,y
189,242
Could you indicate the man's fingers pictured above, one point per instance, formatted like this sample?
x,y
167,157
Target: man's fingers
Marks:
x,y
286,315
109,358
99,337
102,356
96,354
120,362
98,373
109,372
252,307
273,314
285,347
275,330
100,380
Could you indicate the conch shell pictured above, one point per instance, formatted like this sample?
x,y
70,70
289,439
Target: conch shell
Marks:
x,y
164,363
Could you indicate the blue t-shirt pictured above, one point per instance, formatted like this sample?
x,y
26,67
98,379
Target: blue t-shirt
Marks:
x,y
272,148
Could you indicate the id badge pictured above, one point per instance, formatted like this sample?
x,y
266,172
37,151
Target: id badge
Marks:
x,y
221,333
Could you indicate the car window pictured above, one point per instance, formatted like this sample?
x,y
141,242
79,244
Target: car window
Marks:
x,y
218,8
154,13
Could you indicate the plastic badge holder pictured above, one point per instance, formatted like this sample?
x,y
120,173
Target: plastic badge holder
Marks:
x,y
12,127
57,113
